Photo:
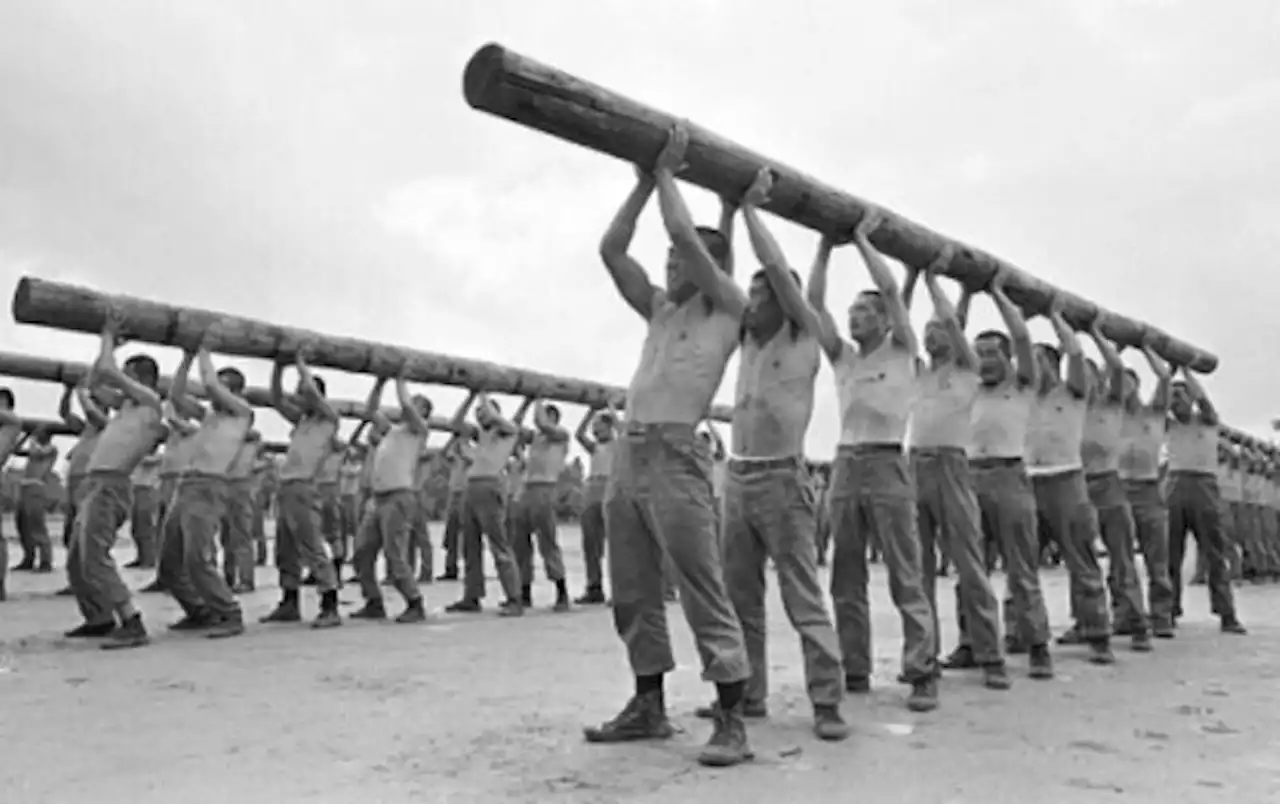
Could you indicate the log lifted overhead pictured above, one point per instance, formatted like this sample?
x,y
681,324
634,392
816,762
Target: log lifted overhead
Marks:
x,y
28,367
79,309
54,427
517,88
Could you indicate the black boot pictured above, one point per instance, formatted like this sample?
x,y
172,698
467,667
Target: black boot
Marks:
x,y
328,617
414,612
130,634
643,718
286,612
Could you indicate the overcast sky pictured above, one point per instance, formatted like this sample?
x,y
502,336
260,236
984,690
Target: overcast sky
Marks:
x,y
314,163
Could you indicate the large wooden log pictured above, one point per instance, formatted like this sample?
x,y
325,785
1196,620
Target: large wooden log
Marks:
x,y
29,367
520,89
80,309
53,427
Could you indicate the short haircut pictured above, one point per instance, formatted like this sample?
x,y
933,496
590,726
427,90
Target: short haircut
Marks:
x,y
877,299
6,396
146,369
715,241
552,411
232,377
763,274
1002,339
1052,350
319,383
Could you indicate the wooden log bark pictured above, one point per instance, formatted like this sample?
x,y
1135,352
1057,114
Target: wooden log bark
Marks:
x,y
29,367
79,309
525,91
53,427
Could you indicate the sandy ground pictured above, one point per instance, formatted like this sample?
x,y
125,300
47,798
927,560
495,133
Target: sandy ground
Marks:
x,y
473,708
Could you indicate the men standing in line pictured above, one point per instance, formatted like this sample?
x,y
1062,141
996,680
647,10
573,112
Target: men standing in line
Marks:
x,y
1143,433
1009,375
33,505
299,539
142,520
767,511
486,518
189,564
388,527
599,445
548,449
659,501
947,505
457,456
126,439
1193,497
872,490
1102,443
1054,441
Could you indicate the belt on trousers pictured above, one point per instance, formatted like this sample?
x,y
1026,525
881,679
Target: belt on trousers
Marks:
x,y
642,428
872,448
995,463
935,452
740,466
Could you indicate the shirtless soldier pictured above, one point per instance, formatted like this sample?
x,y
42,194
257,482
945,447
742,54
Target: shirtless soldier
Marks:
x,y
947,505
1193,496
127,438
175,460
33,529
195,580
388,526
1009,375
1143,434
548,449
1100,452
96,402
767,510
871,484
495,437
600,446
299,540
659,496
1054,441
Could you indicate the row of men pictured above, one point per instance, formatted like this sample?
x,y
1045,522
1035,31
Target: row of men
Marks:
x,y
1249,490
987,434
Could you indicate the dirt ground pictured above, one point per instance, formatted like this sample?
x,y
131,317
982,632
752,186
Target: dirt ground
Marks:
x,y
473,708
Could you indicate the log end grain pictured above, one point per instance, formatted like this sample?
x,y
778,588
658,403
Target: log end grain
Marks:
x,y
482,77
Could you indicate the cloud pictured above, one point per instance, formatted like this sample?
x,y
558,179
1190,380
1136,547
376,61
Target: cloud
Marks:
x,y
314,164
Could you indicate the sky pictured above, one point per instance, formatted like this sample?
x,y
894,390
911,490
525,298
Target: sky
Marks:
x,y
313,163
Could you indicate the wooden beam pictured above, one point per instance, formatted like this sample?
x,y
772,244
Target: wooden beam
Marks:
x,y
54,427
525,91
28,367
80,309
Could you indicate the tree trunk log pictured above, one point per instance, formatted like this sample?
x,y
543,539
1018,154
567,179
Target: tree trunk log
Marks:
x,y
79,309
53,427
28,367
517,88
